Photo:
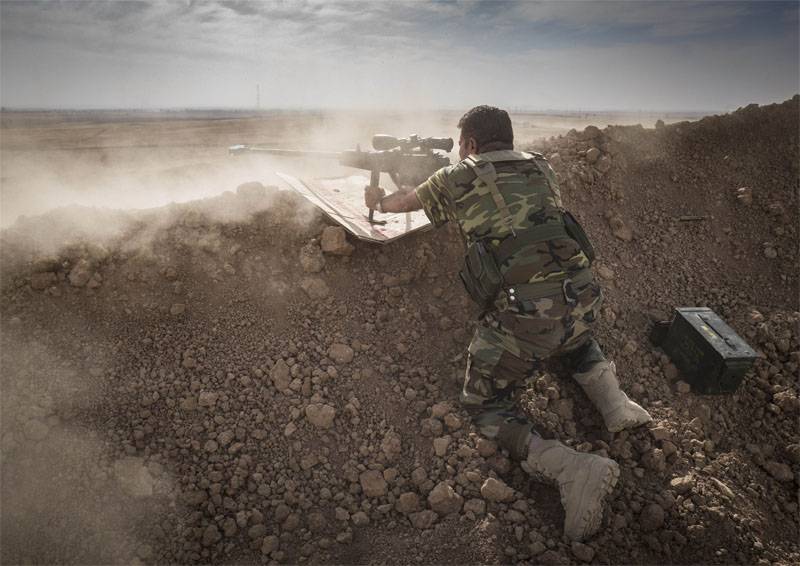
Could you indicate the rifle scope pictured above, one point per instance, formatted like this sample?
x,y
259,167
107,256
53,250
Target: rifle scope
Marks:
x,y
382,142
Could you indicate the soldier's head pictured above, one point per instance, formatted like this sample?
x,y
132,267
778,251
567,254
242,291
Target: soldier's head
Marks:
x,y
484,128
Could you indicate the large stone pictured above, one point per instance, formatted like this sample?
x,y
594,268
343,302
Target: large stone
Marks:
x,y
683,484
475,506
779,471
391,445
654,459
604,272
45,264
793,450
452,421
334,241
590,133
80,274
440,445
652,517
496,490
407,503
486,447
603,164
787,401
439,410
592,155
660,433
315,288
41,281
257,531
320,415
582,552
281,376
341,353
444,500
372,483
620,229
207,399
211,535
423,520
311,258
270,544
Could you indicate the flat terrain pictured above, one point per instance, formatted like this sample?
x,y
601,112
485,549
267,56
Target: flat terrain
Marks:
x,y
145,159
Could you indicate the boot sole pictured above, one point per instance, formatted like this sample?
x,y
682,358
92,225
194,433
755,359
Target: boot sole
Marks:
x,y
588,523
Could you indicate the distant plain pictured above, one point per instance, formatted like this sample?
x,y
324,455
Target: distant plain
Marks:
x,y
140,159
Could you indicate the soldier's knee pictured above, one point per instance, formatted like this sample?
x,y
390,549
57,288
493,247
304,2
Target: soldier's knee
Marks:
x,y
587,355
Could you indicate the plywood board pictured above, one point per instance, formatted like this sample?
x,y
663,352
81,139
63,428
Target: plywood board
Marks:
x,y
342,199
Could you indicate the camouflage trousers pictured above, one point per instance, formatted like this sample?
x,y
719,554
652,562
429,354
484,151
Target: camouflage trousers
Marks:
x,y
509,346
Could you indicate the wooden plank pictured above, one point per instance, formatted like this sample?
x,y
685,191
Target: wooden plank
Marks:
x,y
342,200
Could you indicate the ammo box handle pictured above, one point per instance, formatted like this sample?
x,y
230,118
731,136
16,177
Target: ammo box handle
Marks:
x,y
723,338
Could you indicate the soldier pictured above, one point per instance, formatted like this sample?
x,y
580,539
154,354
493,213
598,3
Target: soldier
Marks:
x,y
527,264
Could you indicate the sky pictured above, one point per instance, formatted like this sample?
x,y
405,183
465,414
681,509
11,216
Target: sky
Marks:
x,y
569,55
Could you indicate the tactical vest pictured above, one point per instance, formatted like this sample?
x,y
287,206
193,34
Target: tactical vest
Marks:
x,y
503,212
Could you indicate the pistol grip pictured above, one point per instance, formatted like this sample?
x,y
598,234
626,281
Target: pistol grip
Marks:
x,y
374,181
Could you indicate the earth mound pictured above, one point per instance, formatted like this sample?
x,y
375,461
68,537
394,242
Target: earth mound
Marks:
x,y
230,380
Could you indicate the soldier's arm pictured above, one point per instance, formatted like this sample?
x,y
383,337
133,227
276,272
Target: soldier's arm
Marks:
x,y
404,200
433,196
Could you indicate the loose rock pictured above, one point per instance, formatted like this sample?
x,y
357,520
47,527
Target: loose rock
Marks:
x,y
444,500
496,490
372,483
341,353
320,415
334,241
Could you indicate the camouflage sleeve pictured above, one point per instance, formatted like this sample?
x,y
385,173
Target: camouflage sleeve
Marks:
x,y
433,195
550,175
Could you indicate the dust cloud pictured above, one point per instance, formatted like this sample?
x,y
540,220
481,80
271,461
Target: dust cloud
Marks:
x,y
139,160
99,161
66,498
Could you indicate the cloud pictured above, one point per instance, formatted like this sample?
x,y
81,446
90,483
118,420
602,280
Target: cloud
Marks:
x,y
661,19
309,52
242,7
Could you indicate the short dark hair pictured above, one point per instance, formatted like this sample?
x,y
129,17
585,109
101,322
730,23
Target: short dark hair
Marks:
x,y
487,124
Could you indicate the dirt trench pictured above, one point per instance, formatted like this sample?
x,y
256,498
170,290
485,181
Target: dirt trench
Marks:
x,y
226,381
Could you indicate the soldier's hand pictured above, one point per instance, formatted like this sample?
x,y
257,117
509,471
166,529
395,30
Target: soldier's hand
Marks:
x,y
372,196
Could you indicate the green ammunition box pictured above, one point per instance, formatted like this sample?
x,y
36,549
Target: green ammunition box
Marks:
x,y
709,354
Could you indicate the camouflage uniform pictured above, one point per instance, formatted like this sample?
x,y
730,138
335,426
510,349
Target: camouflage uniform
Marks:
x,y
510,341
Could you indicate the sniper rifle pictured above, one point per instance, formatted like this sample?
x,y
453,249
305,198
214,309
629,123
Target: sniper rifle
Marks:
x,y
408,161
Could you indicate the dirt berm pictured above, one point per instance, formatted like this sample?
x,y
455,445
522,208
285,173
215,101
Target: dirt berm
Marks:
x,y
203,383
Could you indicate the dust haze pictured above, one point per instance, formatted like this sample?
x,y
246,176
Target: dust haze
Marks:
x,y
67,498
121,160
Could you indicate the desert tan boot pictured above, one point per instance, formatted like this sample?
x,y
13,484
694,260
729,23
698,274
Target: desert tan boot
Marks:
x,y
602,387
584,481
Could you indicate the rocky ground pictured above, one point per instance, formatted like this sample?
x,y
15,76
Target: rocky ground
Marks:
x,y
231,380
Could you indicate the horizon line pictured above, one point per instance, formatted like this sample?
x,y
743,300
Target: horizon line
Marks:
x,y
510,109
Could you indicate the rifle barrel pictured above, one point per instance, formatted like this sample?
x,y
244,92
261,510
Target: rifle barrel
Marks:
x,y
237,149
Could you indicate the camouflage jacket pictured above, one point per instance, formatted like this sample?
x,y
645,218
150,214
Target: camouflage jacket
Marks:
x,y
529,188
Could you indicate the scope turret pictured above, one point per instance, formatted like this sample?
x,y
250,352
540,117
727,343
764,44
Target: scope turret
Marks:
x,y
382,142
